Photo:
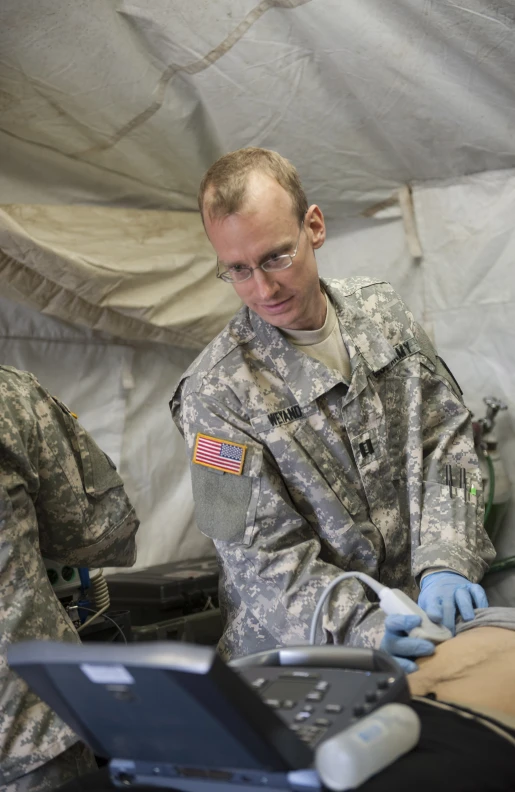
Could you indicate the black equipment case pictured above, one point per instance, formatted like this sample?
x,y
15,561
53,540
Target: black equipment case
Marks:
x,y
167,591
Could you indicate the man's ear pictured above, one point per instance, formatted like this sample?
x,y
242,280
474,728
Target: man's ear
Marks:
x,y
315,226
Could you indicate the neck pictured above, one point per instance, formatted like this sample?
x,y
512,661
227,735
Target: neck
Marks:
x,y
320,314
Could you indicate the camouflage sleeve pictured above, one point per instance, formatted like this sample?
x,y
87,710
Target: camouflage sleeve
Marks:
x,y
84,515
451,533
269,553
59,496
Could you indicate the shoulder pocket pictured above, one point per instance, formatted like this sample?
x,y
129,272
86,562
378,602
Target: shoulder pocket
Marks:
x,y
100,474
452,520
225,504
99,471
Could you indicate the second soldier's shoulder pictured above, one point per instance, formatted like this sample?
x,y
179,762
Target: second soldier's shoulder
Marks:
x,y
16,378
226,345
17,386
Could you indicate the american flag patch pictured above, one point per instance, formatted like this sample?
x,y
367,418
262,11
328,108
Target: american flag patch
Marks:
x,y
219,454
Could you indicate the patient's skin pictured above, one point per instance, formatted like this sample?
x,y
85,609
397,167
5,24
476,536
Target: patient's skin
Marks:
x,y
476,669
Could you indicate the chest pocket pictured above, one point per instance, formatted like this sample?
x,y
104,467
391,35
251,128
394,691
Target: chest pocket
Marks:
x,y
329,467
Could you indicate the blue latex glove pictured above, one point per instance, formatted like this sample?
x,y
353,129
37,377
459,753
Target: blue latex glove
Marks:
x,y
397,643
442,593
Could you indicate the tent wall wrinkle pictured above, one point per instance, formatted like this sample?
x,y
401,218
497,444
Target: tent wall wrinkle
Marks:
x,y
129,102
136,275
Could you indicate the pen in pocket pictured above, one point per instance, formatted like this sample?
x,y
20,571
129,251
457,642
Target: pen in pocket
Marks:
x,y
448,478
463,483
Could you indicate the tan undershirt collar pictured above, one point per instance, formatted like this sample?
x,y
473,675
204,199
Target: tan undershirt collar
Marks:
x,y
311,337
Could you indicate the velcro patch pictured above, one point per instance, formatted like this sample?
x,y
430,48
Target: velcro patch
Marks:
x,y
219,454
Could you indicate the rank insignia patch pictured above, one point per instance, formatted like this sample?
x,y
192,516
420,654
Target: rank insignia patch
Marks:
x,y
219,454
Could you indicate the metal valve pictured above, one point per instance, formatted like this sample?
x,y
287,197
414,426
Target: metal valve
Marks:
x,y
493,405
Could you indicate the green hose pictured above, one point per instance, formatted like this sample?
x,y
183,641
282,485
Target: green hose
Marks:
x,y
502,565
491,488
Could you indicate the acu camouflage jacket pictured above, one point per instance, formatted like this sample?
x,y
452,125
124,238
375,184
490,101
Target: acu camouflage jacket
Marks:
x,y
336,476
61,498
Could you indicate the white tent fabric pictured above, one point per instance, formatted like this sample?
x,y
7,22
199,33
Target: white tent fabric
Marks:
x,y
122,106
137,275
129,102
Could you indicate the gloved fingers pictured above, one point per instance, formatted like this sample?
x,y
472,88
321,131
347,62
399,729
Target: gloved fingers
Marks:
x,y
464,603
406,647
478,595
399,624
408,666
449,612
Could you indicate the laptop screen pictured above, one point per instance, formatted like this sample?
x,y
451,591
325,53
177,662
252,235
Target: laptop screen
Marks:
x,y
161,702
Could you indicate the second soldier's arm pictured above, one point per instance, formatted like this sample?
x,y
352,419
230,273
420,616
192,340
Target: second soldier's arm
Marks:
x,y
84,514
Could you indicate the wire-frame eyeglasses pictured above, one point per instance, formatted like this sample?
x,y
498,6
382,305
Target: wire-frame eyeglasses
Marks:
x,y
237,273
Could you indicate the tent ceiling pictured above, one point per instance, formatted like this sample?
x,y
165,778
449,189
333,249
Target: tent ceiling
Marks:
x,y
127,103
131,274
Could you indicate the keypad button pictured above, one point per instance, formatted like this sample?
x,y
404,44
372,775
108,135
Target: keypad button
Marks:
x,y
359,710
258,683
288,704
383,684
333,708
371,696
322,685
322,722
273,703
308,707
315,695
302,716
310,734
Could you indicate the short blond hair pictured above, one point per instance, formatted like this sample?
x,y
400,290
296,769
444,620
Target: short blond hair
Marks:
x,y
228,176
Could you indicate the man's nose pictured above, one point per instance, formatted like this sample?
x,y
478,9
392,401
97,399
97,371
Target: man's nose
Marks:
x,y
264,284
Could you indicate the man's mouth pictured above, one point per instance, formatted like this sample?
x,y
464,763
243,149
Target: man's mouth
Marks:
x,y
276,307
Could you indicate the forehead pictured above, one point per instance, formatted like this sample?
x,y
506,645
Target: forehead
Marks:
x,y
263,193
265,220
263,196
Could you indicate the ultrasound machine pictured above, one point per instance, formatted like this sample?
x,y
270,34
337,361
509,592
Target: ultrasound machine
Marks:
x,y
174,715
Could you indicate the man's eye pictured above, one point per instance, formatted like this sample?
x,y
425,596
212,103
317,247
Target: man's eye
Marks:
x,y
237,268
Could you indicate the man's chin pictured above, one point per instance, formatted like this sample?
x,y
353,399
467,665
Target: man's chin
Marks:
x,y
280,318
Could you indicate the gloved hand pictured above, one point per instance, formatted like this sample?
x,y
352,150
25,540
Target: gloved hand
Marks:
x,y
441,593
397,643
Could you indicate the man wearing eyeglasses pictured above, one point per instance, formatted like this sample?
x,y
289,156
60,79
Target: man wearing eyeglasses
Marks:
x,y
321,425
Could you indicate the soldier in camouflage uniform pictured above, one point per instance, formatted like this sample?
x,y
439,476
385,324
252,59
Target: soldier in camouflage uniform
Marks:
x,y
60,498
303,470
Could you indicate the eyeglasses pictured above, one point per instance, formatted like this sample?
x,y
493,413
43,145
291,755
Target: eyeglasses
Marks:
x,y
237,273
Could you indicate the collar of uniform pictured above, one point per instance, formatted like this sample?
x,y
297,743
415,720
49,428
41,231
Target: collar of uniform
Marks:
x,y
358,330
305,377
